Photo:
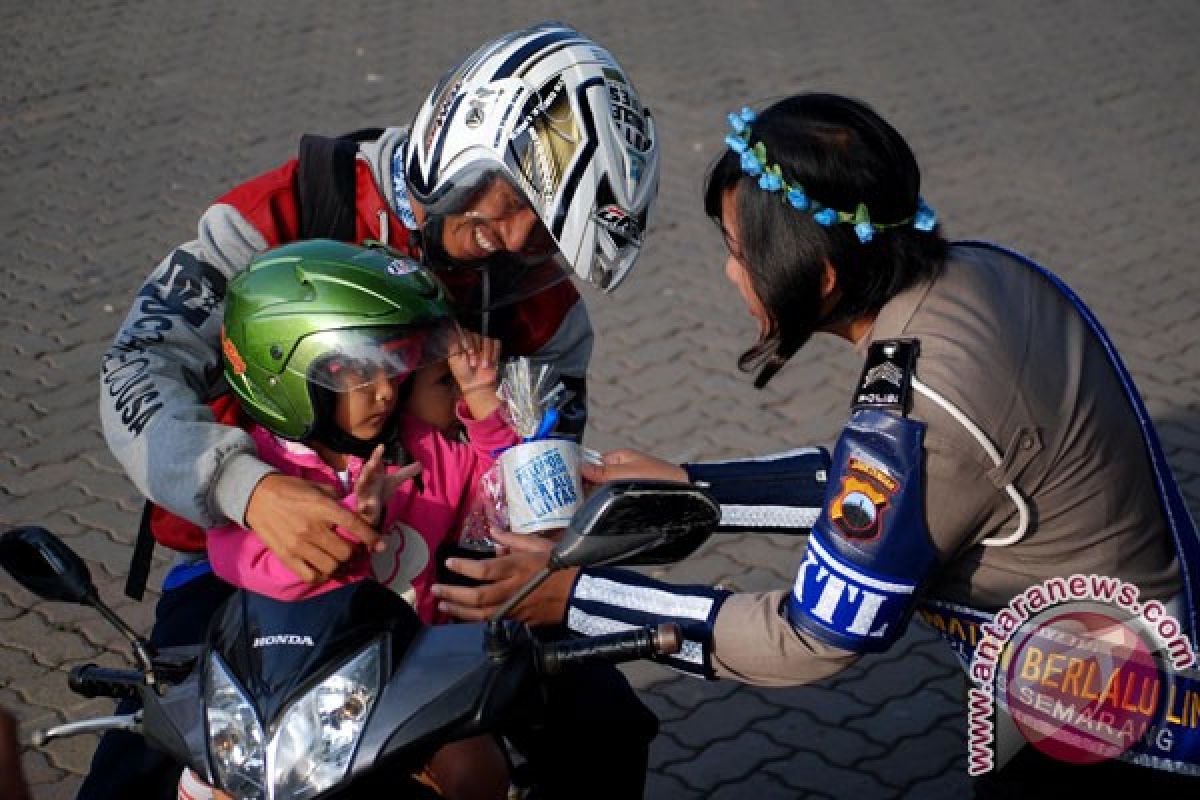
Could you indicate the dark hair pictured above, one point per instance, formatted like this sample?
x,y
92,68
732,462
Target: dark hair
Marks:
x,y
843,154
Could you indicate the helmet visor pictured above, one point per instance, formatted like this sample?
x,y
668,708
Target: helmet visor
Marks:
x,y
498,281
351,358
493,245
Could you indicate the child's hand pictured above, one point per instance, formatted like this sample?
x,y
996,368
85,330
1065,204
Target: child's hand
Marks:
x,y
475,369
475,365
375,486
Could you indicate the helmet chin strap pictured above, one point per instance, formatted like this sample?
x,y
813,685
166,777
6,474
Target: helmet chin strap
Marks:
x,y
339,440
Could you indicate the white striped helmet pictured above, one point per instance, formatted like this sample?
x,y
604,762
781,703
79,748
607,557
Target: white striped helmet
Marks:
x,y
552,113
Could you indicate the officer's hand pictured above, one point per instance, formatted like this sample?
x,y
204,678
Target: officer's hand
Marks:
x,y
520,558
295,519
629,464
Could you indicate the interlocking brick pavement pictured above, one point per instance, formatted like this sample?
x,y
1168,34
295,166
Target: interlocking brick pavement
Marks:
x,y
1066,130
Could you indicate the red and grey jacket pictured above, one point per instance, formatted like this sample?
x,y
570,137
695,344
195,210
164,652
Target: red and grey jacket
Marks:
x,y
165,363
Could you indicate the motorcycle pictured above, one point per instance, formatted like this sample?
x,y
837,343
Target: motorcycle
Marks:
x,y
347,693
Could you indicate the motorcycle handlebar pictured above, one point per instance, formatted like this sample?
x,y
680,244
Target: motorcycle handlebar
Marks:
x,y
630,645
90,680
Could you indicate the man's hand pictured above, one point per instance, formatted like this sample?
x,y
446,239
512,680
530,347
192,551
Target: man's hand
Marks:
x,y
520,558
627,464
295,519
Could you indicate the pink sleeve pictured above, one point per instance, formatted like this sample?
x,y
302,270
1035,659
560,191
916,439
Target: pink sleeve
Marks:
x,y
488,435
486,438
453,468
242,559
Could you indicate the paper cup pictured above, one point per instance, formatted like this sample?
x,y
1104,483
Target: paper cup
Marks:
x,y
542,485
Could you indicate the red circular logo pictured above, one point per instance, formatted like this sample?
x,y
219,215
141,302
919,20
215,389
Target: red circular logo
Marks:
x,y
1082,686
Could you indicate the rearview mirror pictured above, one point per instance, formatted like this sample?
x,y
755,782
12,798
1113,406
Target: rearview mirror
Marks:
x,y
626,520
44,565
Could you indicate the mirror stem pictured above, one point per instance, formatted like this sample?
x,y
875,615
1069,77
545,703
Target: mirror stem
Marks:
x,y
141,647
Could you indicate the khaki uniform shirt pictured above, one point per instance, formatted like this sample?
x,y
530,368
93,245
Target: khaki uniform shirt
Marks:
x,y
1010,351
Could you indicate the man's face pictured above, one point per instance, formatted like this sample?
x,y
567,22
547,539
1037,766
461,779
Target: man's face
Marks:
x,y
497,218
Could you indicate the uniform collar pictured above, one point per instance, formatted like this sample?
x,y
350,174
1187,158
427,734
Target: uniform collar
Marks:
x,y
892,320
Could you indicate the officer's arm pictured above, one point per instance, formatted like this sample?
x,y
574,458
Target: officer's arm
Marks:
x,y
855,589
776,493
753,642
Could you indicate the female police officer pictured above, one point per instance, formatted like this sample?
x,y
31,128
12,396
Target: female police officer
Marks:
x,y
995,440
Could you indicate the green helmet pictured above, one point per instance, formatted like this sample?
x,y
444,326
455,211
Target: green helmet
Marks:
x,y
308,316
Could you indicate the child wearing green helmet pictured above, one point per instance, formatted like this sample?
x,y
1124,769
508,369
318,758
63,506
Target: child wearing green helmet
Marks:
x,y
321,344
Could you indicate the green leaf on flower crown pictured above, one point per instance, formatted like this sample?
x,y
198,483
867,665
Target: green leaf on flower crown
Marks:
x,y
776,171
760,152
860,214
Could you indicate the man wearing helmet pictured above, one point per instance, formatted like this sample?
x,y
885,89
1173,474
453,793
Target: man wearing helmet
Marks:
x,y
529,162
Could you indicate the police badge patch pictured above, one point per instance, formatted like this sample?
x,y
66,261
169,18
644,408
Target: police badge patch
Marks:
x,y
858,509
886,380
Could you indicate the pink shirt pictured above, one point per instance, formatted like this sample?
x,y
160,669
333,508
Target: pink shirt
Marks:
x,y
415,523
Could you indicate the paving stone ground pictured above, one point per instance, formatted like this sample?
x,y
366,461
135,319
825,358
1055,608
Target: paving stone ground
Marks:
x,y
1066,130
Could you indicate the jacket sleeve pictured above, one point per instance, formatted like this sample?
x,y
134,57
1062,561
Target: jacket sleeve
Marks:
x,y
165,363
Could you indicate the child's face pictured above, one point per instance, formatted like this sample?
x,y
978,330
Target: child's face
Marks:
x,y
432,397
364,410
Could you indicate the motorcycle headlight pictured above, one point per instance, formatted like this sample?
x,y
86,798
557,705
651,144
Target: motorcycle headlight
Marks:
x,y
314,740
235,736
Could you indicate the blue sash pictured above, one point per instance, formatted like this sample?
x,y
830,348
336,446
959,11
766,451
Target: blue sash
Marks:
x,y
1179,520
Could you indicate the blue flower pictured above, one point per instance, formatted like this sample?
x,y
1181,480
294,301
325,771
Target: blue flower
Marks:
x,y
926,218
770,182
737,123
798,199
826,217
750,164
865,231
736,143
747,114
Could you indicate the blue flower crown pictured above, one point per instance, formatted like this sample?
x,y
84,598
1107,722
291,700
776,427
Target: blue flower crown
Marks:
x,y
770,178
